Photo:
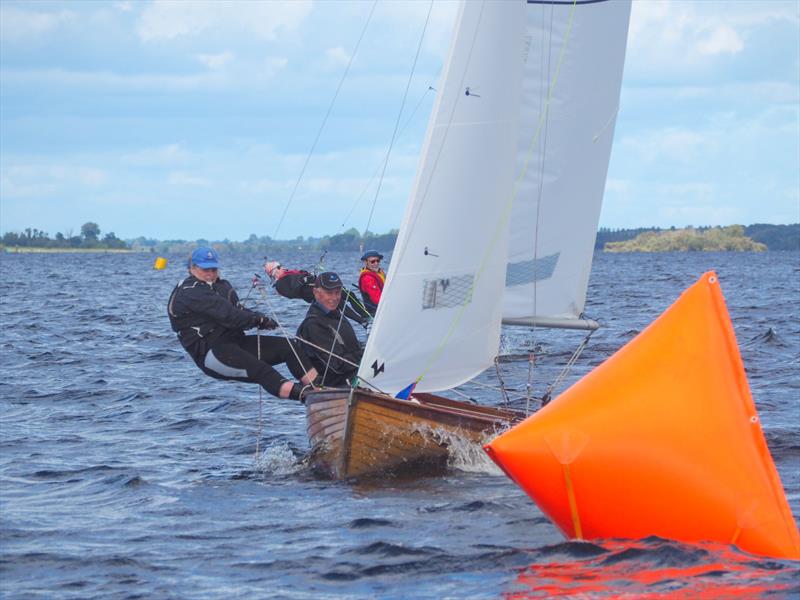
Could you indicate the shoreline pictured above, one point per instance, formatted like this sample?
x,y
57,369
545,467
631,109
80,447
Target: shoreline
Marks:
x,y
36,250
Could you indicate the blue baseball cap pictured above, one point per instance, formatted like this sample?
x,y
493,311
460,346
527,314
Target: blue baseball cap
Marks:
x,y
205,258
372,254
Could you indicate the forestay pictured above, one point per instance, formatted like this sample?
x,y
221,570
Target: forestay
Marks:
x,y
439,316
570,97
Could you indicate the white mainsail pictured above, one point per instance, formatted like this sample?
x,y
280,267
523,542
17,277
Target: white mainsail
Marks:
x,y
572,76
504,210
439,315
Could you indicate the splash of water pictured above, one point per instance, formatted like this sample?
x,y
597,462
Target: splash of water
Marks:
x,y
278,459
463,454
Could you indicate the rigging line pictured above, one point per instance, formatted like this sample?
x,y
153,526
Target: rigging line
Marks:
x,y
283,331
378,168
506,212
260,401
567,367
324,121
397,122
321,349
333,345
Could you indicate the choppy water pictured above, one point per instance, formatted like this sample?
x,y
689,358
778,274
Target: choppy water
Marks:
x,y
124,472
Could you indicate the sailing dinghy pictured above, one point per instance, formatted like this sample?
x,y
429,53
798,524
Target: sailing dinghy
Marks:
x,y
500,227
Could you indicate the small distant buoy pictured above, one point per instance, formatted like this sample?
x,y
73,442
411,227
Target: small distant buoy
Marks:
x,y
160,264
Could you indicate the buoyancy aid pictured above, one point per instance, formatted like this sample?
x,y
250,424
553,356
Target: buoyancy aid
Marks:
x,y
371,285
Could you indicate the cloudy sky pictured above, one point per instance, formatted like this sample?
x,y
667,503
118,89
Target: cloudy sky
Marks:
x,y
182,120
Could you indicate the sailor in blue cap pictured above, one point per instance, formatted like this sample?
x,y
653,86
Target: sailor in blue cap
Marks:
x,y
204,310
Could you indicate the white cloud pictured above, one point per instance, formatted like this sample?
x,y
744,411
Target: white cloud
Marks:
x,y
107,80
681,145
275,63
620,186
124,6
677,35
722,39
337,56
22,25
440,26
215,61
184,178
170,19
27,180
697,191
689,214
160,156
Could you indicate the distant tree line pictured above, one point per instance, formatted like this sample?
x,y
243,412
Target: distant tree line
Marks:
x,y
350,240
88,238
774,237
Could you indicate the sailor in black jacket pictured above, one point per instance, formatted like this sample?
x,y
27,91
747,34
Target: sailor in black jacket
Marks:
x,y
204,311
294,283
336,351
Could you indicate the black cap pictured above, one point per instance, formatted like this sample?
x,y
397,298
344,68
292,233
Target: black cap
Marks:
x,y
328,281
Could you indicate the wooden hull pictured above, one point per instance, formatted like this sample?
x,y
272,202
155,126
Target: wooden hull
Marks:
x,y
359,433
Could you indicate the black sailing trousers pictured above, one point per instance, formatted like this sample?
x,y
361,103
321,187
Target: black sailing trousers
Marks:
x,y
237,360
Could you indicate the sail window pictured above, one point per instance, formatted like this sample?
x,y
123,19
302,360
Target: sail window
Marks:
x,y
447,292
528,271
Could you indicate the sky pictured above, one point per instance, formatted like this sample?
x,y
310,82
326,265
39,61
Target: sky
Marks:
x,y
188,120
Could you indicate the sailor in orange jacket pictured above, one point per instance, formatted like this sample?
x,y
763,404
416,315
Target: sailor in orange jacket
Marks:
x,y
371,280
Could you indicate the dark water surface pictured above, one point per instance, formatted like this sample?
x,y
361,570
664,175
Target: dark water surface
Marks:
x,y
124,472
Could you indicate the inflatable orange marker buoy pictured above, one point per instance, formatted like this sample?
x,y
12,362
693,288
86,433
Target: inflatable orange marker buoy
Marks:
x,y
160,264
661,439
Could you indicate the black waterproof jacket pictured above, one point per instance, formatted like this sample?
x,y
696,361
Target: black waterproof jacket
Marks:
x,y
300,285
202,314
296,284
331,332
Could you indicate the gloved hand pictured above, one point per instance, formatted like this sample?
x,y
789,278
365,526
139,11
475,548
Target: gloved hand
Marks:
x,y
264,322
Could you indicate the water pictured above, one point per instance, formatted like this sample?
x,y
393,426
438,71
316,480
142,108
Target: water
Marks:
x,y
124,472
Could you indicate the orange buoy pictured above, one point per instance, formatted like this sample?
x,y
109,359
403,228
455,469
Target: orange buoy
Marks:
x,y
160,263
661,439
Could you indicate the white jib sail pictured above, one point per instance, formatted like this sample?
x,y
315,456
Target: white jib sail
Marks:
x,y
574,55
439,315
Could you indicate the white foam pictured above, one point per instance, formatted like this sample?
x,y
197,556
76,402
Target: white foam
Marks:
x,y
278,459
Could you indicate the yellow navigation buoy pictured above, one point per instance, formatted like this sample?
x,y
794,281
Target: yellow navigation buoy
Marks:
x,y
160,264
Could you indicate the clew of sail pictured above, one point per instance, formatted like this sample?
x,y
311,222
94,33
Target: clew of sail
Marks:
x,y
574,55
439,317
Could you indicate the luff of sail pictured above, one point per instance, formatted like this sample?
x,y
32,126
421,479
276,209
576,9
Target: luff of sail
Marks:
x,y
570,97
439,317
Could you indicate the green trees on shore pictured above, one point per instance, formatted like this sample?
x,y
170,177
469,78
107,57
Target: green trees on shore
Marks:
x,y
713,239
89,238
754,238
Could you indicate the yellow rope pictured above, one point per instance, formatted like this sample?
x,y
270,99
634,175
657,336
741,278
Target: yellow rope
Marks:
x,y
573,504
